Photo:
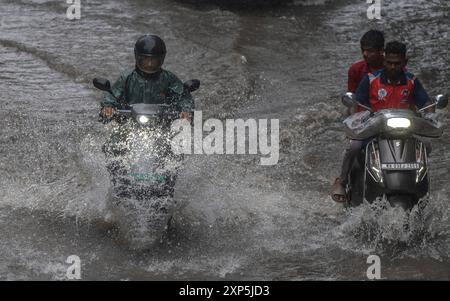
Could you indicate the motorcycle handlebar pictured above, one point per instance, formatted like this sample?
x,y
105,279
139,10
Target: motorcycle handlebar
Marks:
x,y
120,113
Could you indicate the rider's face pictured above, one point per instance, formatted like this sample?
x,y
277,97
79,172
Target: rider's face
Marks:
x,y
373,57
149,64
394,65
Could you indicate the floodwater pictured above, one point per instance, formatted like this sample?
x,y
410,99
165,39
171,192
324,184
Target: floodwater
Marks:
x,y
238,220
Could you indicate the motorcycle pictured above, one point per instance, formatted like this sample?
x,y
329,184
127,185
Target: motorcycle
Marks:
x,y
393,164
142,167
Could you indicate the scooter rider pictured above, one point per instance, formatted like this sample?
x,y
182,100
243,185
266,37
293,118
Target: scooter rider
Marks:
x,y
148,82
389,88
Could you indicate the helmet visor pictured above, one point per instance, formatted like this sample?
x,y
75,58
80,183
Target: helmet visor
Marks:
x,y
149,64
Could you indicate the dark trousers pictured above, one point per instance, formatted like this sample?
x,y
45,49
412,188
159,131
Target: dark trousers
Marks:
x,y
350,154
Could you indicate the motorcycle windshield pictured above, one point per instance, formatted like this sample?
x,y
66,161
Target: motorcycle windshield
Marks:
x,y
362,125
146,109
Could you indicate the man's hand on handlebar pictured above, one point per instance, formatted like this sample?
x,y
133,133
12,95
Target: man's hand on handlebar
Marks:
x,y
107,112
430,110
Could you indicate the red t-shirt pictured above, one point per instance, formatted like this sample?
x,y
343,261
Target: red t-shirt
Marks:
x,y
356,73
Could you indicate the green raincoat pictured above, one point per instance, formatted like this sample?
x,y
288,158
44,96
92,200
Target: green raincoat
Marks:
x,y
134,87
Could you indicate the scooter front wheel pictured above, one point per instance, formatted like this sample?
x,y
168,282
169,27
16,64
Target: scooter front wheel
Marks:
x,y
404,201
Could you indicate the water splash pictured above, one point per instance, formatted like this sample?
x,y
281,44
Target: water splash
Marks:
x,y
392,231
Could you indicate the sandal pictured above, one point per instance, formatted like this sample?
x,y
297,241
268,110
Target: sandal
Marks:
x,y
338,193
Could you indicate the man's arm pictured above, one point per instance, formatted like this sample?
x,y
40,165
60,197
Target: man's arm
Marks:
x,y
362,92
420,96
352,82
352,85
182,99
118,89
109,103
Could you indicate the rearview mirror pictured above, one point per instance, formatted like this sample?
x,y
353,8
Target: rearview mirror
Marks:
x,y
102,84
192,85
348,99
441,101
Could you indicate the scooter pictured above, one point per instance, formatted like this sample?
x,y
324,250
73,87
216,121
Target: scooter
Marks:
x,y
142,167
393,164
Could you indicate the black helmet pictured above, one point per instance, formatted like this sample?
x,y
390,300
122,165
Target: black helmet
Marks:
x,y
149,52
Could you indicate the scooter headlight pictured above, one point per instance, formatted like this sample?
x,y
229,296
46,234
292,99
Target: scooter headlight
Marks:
x,y
142,119
399,122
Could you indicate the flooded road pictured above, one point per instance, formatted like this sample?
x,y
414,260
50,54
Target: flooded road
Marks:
x,y
239,220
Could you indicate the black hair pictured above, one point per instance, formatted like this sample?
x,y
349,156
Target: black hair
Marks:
x,y
372,39
396,47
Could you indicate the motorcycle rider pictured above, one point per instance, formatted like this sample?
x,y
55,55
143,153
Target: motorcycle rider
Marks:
x,y
148,82
390,88
372,49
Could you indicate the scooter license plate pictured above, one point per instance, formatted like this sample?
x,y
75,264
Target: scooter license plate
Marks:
x,y
400,166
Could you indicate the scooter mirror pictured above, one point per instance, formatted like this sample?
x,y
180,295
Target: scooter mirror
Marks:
x,y
102,84
441,101
348,99
192,85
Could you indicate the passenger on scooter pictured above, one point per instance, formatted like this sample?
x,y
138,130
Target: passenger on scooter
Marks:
x,y
389,88
372,49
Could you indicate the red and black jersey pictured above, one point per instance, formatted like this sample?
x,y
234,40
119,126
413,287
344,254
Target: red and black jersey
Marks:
x,y
377,92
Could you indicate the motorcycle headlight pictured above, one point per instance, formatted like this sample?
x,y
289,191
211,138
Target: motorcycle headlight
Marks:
x,y
143,119
399,123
